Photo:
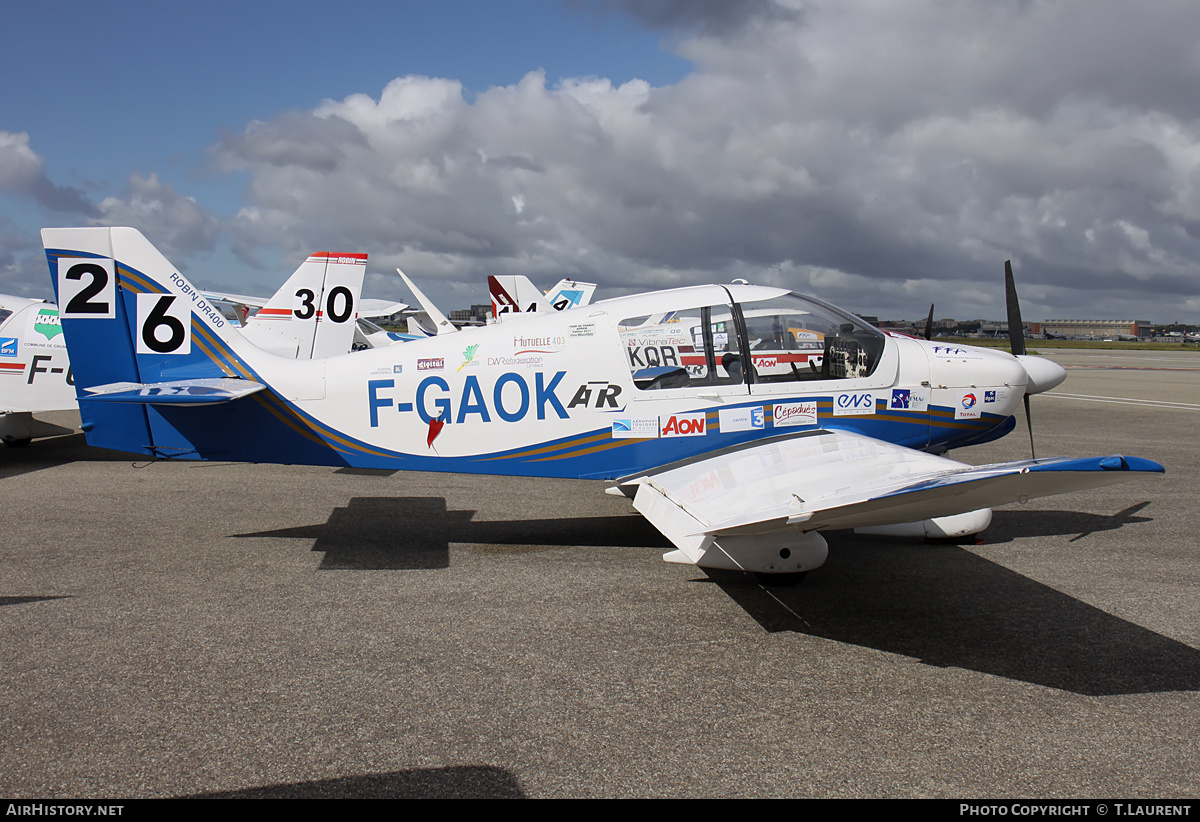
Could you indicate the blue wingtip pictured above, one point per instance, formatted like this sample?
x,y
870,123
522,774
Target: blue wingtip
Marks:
x,y
1133,464
1116,462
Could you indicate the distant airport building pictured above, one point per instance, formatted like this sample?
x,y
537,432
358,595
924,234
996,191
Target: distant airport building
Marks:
x,y
474,314
1096,328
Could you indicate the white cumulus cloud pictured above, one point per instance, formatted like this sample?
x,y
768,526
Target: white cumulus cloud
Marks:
x,y
894,145
177,223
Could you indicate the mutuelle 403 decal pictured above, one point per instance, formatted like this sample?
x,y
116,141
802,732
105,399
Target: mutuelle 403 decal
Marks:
x,y
764,418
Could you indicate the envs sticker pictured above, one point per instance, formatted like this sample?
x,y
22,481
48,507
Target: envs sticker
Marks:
x,y
858,403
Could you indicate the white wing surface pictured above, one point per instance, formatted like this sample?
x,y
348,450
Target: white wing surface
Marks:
x,y
759,495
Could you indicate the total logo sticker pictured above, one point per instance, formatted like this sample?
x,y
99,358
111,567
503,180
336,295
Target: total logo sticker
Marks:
x,y
683,425
967,407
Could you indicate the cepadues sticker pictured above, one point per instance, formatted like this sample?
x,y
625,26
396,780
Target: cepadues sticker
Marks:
x,y
796,413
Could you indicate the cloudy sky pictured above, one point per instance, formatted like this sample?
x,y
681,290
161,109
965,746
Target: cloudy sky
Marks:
x,y
880,155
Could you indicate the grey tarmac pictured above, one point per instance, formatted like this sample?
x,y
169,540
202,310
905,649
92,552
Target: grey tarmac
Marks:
x,y
217,629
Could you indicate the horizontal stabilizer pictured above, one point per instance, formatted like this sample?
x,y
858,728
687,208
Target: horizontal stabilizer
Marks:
x,y
178,392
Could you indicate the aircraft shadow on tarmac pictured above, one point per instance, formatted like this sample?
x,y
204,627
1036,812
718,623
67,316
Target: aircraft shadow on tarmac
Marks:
x,y
947,607
55,451
433,783
22,600
938,603
415,533
1008,525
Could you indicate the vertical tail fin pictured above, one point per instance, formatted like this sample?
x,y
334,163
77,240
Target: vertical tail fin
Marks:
x,y
129,317
166,329
515,294
312,315
570,294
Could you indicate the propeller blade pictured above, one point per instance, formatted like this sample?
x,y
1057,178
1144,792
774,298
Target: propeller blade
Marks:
x,y
1029,422
929,324
1016,336
1016,330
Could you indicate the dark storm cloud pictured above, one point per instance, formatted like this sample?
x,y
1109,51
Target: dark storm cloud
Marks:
x,y
708,17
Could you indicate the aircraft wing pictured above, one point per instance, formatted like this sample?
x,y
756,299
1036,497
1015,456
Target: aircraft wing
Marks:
x,y
379,308
13,303
827,479
242,299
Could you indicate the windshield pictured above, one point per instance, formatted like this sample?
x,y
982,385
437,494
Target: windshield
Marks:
x,y
794,338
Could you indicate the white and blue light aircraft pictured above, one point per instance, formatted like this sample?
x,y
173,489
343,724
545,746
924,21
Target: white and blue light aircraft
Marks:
x,y
35,375
711,407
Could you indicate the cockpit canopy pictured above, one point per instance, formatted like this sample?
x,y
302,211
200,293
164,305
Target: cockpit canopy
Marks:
x,y
783,338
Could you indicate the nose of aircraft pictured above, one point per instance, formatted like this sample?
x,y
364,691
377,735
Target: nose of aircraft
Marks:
x,y
1043,374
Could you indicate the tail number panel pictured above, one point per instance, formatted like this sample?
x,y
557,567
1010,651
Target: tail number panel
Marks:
x,y
87,289
164,325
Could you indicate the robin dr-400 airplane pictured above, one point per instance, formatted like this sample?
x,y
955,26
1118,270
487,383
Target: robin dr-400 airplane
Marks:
x,y
741,420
